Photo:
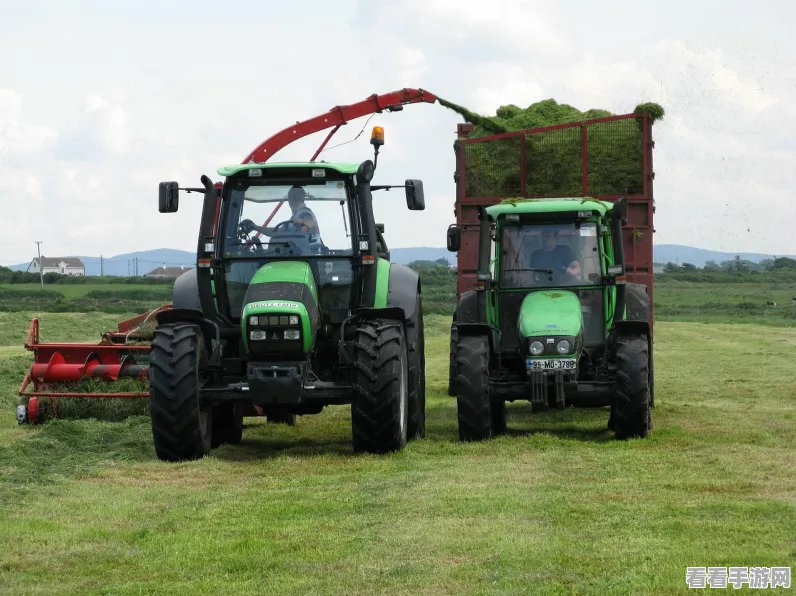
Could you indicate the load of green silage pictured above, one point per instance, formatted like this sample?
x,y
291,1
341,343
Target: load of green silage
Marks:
x,y
553,159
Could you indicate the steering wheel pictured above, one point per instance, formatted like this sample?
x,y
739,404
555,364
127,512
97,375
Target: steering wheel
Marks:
x,y
282,223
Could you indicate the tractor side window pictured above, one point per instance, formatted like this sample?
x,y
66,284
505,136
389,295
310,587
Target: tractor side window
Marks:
x,y
551,255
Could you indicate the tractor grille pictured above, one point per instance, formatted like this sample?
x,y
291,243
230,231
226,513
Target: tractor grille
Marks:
x,y
274,334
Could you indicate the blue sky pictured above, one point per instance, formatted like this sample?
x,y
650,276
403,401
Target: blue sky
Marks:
x,y
99,101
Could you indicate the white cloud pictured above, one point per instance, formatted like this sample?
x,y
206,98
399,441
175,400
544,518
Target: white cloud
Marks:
x,y
86,167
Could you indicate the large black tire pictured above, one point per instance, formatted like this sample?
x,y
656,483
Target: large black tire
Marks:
x,y
474,409
380,408
632,401
415,336
227,424
181,429
452,359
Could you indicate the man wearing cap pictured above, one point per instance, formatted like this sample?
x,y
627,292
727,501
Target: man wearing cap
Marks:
x,y
302,219
552,255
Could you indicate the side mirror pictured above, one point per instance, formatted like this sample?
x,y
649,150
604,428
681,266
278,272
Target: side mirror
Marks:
x,y
415,199
169,197
454,238
380,228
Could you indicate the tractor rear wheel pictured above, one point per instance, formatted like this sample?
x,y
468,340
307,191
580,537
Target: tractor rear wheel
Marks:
x,y
279,415
472,385
452,359
380,408
227,425
181,427
631,412
415,336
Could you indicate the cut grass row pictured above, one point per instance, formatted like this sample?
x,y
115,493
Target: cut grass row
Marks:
x,y
556,507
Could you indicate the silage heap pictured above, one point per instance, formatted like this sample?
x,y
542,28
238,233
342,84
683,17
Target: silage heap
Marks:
x,y
553,160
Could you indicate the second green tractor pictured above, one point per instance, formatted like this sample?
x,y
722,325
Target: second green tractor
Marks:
x,y
552,319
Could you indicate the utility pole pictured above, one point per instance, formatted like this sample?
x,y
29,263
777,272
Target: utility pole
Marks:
x,y
41,269
102,270
136,266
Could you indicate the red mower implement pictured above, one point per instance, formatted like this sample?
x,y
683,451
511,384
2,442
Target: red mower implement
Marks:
x,y
59,369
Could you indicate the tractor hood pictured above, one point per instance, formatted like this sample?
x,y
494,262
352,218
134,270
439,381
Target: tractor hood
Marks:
x,y
284,298
550,313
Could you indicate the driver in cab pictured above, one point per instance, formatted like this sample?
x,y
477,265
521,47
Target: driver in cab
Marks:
x,y
302,218
554,256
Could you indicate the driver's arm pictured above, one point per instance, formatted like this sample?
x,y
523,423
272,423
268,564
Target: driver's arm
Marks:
x,y
574,268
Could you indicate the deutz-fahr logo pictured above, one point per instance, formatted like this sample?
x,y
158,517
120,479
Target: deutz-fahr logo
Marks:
x,y
277,304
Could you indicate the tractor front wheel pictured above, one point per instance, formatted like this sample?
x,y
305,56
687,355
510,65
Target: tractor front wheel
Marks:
x,y
631,411
472,385
181,428
380,408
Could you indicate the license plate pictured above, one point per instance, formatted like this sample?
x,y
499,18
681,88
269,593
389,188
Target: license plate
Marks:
x,y
551,364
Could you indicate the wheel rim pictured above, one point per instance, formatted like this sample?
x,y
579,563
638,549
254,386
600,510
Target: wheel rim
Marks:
x,y
402,406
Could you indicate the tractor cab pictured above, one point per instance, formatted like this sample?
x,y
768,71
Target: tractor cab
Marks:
x,y
549,305
563,256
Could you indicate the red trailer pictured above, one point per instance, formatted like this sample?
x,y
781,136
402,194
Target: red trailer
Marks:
x,y
593,146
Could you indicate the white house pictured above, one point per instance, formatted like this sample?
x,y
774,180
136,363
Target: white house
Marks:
x,y
60,265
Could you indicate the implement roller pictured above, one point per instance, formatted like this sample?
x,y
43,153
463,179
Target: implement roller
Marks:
x,y
114,357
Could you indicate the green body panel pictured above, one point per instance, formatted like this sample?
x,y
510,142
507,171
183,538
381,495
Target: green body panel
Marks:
x,y
382,282
287,271
548,206
550,312
342,168
282,272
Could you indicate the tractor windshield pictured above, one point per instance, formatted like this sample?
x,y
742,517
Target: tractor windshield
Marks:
x,y
551,255
302,220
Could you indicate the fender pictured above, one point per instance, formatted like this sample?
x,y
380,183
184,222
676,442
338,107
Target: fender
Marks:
x,y
185,295
402,289
471,308
637,303
631,328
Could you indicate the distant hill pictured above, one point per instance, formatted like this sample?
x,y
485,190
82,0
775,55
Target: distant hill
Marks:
x,y
148,260
675,253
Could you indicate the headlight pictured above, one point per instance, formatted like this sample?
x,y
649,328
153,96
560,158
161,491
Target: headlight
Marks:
x,y
291,333
294,320
537,348
254,320
564,347
257,334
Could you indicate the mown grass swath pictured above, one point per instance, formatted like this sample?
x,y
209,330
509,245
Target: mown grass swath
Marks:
x,y
88,509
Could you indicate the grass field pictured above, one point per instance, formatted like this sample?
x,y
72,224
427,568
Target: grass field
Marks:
x,y
557,506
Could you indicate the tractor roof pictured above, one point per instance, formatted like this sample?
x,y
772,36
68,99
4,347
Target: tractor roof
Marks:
x,y
343,168
557,205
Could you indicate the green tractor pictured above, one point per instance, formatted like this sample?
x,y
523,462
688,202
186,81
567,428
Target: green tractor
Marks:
x,y
552,318
288,319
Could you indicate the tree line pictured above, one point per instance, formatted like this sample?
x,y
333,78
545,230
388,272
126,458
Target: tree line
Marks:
x,y
733,271
7,276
